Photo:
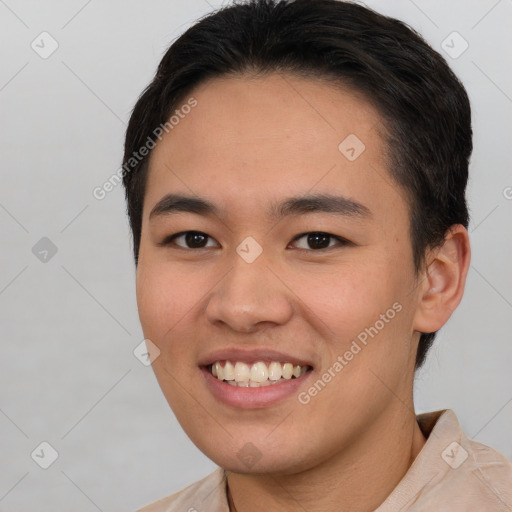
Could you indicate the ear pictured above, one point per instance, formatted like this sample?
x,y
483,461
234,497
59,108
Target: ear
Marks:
x,y
443,280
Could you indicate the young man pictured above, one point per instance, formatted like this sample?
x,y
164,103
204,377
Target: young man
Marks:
x,y
299,225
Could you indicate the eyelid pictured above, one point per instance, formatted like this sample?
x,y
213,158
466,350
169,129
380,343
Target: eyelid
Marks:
x,y
341,241
170,239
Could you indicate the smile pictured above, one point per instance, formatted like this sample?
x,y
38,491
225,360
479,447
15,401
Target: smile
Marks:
x,y
259,374
279,381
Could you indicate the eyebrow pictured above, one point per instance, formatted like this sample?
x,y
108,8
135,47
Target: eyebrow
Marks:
x,y
293,206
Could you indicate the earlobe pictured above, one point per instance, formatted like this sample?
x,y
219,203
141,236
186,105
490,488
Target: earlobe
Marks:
x,y
444,280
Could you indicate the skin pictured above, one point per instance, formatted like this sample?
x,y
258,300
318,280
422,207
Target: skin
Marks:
x,y
248,142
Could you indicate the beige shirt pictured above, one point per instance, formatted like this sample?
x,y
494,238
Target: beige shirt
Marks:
x,y
451,473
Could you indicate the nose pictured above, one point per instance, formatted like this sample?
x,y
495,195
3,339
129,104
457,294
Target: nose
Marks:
x,y
251,296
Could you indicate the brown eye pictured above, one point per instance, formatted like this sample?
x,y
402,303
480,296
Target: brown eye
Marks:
x,y
318,240
190,240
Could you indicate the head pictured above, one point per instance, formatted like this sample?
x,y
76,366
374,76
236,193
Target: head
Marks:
x,y
264,115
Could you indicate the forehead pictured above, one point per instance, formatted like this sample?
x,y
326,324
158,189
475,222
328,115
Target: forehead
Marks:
x,y
250,138
277,111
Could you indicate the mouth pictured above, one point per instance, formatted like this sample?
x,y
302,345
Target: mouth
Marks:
x,y
258,374
254,383
252,379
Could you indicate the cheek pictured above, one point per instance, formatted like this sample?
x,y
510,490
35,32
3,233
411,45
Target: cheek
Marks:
x,y
346,298
362,304
164,297
364,321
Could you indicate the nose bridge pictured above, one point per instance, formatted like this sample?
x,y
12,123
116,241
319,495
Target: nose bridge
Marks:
x,y
249,294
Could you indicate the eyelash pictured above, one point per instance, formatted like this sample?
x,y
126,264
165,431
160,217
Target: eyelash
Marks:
x,y
171,238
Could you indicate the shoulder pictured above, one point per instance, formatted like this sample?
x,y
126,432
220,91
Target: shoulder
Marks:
x,y
452,473
191,498
488,472
471,476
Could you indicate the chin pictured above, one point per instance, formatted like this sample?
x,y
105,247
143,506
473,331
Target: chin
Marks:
x,y
250,460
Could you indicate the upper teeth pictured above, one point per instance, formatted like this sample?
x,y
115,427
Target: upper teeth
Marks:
x,y
258,374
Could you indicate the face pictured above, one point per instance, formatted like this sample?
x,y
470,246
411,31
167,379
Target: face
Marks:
x,y
295,249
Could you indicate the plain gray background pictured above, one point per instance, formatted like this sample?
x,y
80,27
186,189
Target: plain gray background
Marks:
x,y
69,324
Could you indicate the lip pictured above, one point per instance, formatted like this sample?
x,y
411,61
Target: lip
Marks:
x,y
253,398
251,357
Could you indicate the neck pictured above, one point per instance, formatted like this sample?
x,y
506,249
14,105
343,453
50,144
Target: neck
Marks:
x,y
357,479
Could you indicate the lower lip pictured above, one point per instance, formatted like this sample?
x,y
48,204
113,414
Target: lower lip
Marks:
x,y
253,398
